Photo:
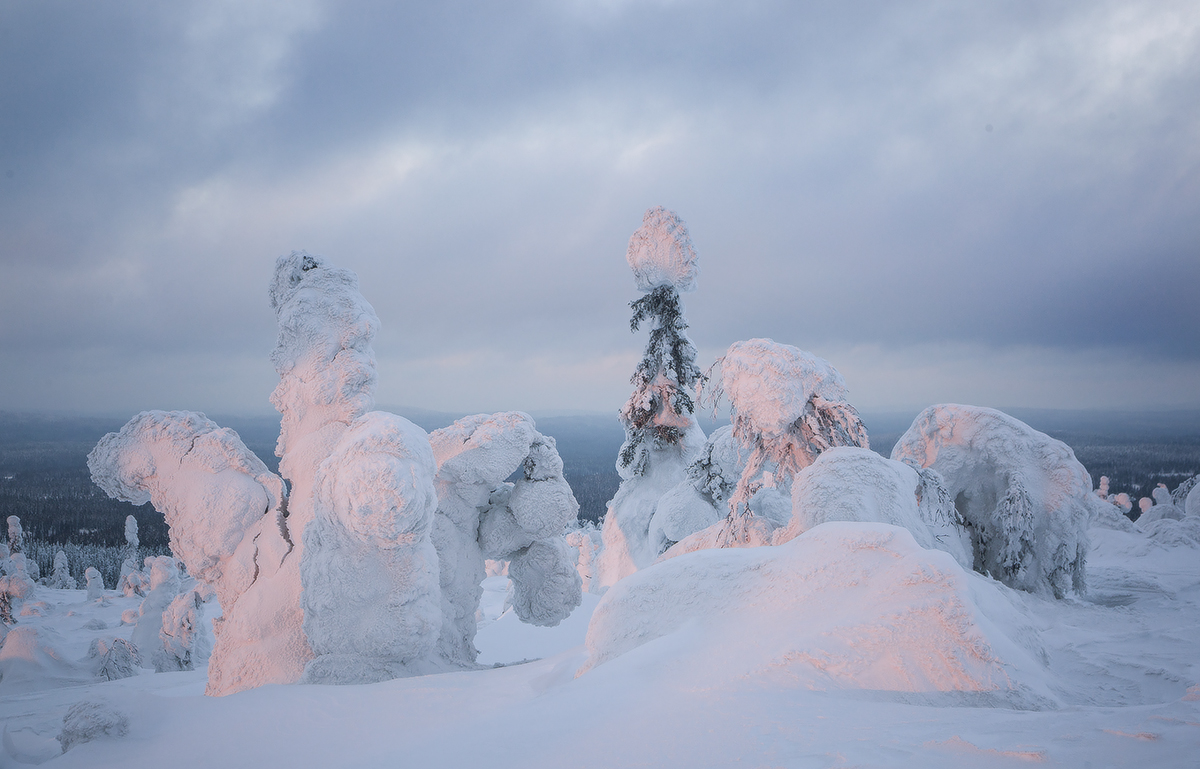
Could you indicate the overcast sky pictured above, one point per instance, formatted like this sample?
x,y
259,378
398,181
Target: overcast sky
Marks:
x,y
994,203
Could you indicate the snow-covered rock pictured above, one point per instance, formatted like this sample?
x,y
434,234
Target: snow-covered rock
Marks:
x,y
1024,498
842,606
370,572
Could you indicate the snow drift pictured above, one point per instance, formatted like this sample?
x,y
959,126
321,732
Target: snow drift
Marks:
x,y
843,606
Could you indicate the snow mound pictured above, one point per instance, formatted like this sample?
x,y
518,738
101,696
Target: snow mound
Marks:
x,y
1025,499
844,606
852,484
661,253
31,658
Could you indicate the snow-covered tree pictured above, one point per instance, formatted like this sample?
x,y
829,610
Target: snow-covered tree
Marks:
x,y
95,583
483,516
787,406
1025,500
225,513
369,571
116,658
16,535
61,578
183,640
130,563
662,436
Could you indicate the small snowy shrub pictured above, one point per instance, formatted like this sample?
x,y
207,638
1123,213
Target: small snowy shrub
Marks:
x,y
88,720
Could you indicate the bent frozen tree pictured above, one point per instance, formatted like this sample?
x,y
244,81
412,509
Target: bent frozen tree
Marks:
x,y
1023,497
482,516
369,570
787,407
225,514
662,436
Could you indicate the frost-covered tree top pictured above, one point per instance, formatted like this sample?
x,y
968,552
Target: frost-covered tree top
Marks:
x,y
787,406
323,354
661,253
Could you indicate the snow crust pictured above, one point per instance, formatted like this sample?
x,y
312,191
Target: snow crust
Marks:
x,y
1024,498
661,253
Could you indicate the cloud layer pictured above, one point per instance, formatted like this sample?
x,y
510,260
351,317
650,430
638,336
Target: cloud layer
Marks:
x,y
986,203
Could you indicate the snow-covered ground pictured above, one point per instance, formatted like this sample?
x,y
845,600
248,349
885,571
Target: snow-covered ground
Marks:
x,y
1121,668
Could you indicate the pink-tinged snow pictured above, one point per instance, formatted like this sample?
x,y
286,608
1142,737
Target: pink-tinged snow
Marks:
x,y
1121,665
661,253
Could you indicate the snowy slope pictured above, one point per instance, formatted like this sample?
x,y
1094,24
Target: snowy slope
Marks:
x,y
1123,666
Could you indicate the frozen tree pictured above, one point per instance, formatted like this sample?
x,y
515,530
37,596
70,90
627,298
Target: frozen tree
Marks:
x,y
16,535
16,547
130,564
183,642
1102,489
370,572
116,658
787,406
15,585
1164,507
164,586
701,500
95,584
662,436
61,578
226,515
1180,494
482,516
853,484
1191,503
1025,500
586,542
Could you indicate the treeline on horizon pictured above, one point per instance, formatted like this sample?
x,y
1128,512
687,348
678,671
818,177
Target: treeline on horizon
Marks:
x,y
44,478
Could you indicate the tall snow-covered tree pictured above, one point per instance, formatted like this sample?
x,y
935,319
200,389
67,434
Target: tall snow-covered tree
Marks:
x,y
662,436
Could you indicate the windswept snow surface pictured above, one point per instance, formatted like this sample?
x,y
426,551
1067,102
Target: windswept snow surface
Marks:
x,y
1120,668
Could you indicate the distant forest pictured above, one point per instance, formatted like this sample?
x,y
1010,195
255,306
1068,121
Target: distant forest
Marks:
x,y
44,478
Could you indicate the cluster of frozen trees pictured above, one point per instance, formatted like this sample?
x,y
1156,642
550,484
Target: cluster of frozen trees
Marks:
x,y
997,495
366,563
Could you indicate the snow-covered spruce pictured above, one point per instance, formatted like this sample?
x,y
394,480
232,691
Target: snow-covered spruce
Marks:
x,y
662,436
702,500
225,513
853,484
787,406
16,535
482,516
164,587
369,571
129,564
184,642
95,584
61,579
1025,500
